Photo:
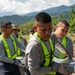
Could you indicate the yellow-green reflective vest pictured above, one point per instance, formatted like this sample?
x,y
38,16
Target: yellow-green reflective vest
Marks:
x,y
7,48
46,53
64,41
19,50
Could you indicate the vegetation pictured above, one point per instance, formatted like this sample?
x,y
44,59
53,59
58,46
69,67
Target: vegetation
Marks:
x,y
25,28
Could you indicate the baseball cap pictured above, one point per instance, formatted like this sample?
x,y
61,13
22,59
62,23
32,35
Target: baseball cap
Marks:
x,y
5,23
14,27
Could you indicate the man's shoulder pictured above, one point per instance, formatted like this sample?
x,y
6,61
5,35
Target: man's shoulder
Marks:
x,y
68,39
0,40
13,35
33,45
33,41
22,37
33,38
53,35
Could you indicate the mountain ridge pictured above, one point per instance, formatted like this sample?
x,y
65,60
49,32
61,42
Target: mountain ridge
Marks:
x,y
54,11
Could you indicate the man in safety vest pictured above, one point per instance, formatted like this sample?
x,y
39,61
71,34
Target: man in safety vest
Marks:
x,y
60,32
40,49
9,65
16,31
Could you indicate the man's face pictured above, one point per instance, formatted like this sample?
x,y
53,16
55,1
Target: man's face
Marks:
x,y
44,30
61,30
15,31
7,30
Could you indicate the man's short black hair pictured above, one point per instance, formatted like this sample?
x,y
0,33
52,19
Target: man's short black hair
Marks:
x,y
5,24
64,22
43,17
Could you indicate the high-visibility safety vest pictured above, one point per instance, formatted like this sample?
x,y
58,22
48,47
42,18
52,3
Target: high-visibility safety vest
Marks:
x,y
19,50
46,53
7,48
64,41
62,55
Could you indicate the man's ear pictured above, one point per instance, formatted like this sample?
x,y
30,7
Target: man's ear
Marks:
x,y
3,29
35,28
56,26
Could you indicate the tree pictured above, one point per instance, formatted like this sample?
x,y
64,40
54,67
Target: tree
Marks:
x,y
72,20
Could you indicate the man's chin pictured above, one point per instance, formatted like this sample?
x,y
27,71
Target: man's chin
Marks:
x,y
45,39
61,37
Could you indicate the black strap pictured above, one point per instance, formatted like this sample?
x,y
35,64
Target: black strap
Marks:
x,y
27,72
51,57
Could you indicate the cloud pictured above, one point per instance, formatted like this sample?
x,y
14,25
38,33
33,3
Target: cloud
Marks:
x,y
20,0
71,2
27,6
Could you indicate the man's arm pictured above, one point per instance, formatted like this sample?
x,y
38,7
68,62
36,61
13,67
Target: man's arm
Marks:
x,y
69,47
21,46
24,41
34,59
3,58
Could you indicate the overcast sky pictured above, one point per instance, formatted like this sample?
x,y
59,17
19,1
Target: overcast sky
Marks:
x,y
10,7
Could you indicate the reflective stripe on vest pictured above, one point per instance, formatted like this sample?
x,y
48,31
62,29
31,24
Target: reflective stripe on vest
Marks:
x,y
19,50
46,53
64,41
7,48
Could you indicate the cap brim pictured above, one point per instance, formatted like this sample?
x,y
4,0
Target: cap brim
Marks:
x,y
16,29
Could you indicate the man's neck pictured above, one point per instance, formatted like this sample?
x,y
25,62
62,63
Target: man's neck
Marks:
x,y
6,36
15,34
56,34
